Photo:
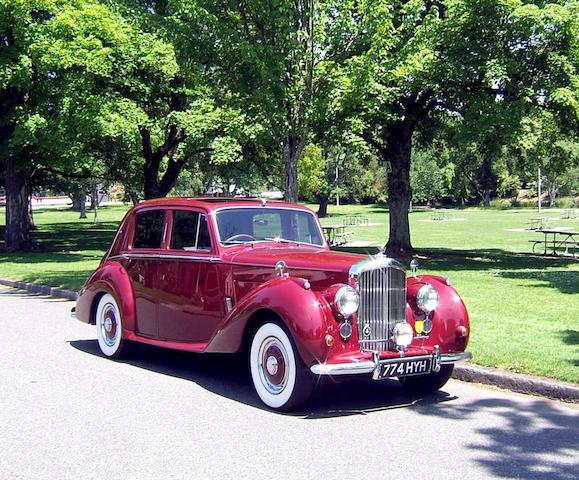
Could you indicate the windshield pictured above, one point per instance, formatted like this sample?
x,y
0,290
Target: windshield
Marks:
x,y
241,225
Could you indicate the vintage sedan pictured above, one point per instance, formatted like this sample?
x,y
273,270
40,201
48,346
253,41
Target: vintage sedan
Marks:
x,y
213,275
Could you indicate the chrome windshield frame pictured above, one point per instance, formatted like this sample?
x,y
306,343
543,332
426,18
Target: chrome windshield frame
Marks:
x,y
216,212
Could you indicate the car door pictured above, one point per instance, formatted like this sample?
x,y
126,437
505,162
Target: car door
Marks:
x,y
190,302
141,262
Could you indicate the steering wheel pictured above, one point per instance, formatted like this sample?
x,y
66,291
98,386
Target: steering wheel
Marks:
x,y
240,235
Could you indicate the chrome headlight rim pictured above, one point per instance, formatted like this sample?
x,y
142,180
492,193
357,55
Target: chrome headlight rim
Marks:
x,y
347,301
427,298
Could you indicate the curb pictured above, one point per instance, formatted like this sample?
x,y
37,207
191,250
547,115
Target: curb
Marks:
x,y
41,289
517,382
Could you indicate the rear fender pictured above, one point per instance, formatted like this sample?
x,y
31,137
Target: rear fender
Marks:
x,y
110,277
289,298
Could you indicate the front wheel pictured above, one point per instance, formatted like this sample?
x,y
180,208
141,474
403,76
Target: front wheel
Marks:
x,y
109,327
424,384
279,376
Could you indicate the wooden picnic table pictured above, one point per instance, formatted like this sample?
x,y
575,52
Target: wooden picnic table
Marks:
x,y
539,223
554,239
336,234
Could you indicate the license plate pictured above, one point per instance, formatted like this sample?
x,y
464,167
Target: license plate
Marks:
x,y
405,368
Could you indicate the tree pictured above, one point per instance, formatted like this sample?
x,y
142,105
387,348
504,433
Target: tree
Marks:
x,y
429,59
544,144
268,53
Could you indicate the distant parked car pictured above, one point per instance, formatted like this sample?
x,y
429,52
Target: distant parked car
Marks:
x,y
227,275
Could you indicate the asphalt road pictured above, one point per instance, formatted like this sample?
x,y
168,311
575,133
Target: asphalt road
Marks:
x,y
66,412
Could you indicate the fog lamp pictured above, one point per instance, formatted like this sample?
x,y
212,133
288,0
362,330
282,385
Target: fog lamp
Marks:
x,y
402,334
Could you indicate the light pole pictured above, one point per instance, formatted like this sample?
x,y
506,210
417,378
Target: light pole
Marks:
x,y
539,187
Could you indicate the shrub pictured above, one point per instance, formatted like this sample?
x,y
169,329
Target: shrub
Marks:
x,y
566,202
501,203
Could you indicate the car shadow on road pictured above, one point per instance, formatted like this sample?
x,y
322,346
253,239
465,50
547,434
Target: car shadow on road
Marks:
x,y
228,376
515,438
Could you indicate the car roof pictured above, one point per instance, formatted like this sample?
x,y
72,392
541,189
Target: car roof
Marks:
x,y
216,203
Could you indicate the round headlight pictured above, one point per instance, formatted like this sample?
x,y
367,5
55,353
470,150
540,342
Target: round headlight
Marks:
x,y
347,300
427,298
402,334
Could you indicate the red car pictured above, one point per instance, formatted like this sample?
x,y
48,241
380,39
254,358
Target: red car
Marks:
x,y
213,275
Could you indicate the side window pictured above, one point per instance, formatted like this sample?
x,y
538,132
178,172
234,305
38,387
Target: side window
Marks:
x,y
190,231
149,229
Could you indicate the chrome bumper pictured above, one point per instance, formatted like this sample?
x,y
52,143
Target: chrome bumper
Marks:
x,y
373,366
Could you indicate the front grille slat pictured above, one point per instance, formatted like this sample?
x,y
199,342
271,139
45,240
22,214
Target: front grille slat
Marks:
x,y
382,305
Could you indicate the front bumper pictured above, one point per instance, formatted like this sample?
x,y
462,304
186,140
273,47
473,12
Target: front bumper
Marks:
x,y
373,366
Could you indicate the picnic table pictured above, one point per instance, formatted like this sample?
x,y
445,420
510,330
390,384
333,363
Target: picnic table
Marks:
x,y
554,239
569,213
441,215
540,223
337,234
354,220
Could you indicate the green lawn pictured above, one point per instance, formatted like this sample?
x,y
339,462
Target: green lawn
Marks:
x,y
524,308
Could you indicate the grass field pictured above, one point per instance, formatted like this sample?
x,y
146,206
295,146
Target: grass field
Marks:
x,y
524,308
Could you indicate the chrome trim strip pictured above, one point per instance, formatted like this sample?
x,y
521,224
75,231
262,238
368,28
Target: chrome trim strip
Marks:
x,y
191,258
355,368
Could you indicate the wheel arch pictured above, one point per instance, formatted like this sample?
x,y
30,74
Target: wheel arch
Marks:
x,y
112,278
292,303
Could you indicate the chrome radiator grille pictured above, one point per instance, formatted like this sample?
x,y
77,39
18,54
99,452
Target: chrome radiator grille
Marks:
x,y
382,305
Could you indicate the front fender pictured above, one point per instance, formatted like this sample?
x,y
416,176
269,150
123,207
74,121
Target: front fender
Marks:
x,y
451,324
297,306
110,277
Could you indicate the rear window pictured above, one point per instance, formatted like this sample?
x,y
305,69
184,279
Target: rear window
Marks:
x,y
149,229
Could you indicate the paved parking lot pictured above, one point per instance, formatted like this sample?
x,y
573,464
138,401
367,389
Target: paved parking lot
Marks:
x,y
66,412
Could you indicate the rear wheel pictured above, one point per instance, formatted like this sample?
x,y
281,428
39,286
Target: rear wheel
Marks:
x,y
279,376
109,327
430,383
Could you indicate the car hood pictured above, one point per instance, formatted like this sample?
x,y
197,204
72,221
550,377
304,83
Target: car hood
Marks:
x,y
295,257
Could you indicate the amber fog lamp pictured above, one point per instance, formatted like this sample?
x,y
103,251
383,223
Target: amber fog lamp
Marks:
x,y
427,298
347,301
402,334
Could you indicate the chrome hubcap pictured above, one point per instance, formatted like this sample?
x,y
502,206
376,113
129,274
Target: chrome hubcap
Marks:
x,y
273,360
271,365
108,325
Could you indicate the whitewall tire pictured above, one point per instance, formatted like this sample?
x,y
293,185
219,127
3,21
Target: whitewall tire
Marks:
x,y
279,376
109,327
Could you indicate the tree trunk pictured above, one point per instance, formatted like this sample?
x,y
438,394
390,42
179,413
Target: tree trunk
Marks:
x,y
323,208
291,150
397,152
18,222
553,189
486,198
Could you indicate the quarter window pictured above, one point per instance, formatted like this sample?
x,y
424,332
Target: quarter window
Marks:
x,y
190,231
149,229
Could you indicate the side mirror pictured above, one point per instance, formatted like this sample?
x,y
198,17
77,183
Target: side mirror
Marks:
x,y
414,267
